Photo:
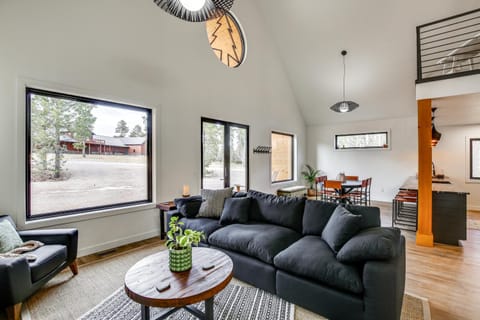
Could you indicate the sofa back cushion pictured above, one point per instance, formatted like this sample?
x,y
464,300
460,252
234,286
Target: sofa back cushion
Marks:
x,y
316,215
283,211
235,210
370,215
188,206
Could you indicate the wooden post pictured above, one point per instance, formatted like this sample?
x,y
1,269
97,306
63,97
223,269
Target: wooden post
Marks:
x,y
424,219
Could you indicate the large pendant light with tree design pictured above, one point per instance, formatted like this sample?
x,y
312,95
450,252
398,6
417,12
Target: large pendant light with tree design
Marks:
x,y
195,10
344,106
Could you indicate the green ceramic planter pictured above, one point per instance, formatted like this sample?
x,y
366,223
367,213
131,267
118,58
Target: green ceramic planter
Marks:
x,y
180,260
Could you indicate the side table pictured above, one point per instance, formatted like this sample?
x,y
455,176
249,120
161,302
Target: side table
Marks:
x,y
164,206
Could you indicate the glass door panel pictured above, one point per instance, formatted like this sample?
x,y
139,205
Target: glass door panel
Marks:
x,y
213,155
238,158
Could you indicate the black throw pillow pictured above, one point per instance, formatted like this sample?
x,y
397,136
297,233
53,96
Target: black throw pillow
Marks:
x,y
188,206
371,244
235,210
341,226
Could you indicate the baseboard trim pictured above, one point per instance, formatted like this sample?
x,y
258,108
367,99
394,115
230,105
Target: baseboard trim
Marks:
x,y
117,243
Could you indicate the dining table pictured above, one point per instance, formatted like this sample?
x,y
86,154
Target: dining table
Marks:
x,y
347,187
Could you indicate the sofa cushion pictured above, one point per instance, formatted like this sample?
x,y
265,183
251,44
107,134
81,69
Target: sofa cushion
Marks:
x,y
235,210
213,200
312,258
316,215
371,244
370,215
9,238
49,257
341,226
206,225
283,211
261,241
188,206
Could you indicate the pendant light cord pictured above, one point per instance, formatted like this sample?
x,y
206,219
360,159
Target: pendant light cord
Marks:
x,y
344,76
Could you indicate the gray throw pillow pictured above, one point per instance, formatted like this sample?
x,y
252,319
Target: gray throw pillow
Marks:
x,y
341,226
9,238
213,200
371,244
235,210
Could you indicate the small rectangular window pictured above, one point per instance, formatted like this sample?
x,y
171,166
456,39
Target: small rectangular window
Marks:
x,y
475,159
85,154
371,140
282,158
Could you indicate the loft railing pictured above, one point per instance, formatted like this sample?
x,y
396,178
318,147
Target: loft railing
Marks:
x,y
449,47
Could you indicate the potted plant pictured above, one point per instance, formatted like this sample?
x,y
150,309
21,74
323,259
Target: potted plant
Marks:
x,y
310,174
179,243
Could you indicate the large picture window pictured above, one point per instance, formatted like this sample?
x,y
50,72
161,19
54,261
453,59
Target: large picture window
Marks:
x,y
224,155
85,154
475,159
370,140
282,157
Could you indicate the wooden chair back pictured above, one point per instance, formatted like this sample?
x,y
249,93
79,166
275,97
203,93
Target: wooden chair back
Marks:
x,y
351,178
332,184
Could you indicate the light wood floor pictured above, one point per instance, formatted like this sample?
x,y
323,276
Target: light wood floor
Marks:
x,y
449,276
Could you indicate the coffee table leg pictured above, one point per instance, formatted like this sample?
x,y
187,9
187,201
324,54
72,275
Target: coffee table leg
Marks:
x,y
145,312
209,309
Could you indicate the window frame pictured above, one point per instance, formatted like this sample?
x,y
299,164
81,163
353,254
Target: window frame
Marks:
x,y
472,140
226,150
292,136
386,132
28,154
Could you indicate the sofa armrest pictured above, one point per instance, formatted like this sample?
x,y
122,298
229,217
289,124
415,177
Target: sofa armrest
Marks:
x,y
384,285
15,280
67,237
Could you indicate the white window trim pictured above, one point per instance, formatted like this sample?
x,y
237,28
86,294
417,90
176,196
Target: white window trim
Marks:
x,y
19,154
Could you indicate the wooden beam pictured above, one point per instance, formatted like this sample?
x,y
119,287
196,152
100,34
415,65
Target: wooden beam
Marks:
x,y
424,220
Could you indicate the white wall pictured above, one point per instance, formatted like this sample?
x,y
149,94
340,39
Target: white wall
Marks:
x,y
132,51
451,155
388,168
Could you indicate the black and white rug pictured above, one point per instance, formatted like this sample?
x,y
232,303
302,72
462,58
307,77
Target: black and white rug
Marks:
x,y
234,302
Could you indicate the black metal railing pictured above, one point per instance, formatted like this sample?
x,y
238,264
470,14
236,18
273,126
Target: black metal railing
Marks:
x,y
449,47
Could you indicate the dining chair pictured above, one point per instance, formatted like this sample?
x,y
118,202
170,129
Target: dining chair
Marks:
x,y
332,191
319,180
361,196
351,178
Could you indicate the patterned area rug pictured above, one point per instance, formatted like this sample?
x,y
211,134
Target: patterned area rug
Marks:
x,y
234,302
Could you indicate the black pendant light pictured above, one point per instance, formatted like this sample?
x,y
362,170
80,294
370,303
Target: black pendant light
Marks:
x,y
195,10
344,106
436,136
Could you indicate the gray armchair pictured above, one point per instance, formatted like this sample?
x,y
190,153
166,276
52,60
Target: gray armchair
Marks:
x,y
20,279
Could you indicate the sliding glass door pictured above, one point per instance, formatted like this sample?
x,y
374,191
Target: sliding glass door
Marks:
x,y
224,155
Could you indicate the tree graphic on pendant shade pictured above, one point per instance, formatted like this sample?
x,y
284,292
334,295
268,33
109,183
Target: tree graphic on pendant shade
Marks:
x,y
226,40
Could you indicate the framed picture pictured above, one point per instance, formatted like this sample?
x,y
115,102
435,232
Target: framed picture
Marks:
x,y
475,158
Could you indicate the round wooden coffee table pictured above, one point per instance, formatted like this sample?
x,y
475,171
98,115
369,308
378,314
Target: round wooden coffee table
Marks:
x,y
151,283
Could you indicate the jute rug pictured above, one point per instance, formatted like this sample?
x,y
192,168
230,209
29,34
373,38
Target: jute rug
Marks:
x,y
233,303
67,297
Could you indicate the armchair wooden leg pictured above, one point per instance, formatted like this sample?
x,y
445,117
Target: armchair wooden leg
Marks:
x,y
14,312
74,267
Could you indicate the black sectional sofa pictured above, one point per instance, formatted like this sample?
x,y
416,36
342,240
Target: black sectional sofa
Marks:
x,y
278,244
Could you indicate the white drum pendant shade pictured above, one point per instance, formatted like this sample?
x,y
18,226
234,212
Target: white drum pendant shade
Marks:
x,y
195,10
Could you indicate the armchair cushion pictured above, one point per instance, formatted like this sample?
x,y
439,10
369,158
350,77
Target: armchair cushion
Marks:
x,y
48,258
9,238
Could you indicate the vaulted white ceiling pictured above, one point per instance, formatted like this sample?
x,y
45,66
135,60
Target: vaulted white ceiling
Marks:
x,y
380,38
